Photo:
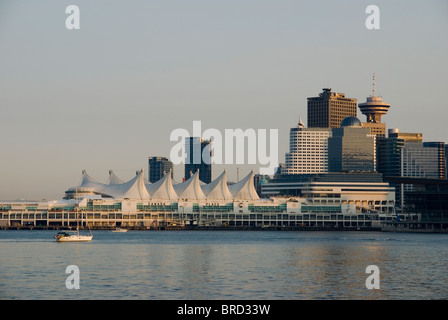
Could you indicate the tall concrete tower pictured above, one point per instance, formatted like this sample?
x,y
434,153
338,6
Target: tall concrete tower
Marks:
x,y
373,109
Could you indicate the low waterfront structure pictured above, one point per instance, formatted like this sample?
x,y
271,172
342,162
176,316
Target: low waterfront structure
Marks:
x,y
140,204
355,193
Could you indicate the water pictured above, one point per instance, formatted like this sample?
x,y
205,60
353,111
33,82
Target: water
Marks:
x,y
224,265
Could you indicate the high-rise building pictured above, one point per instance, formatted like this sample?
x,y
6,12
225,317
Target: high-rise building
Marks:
x,y
373,109
329,109
406,155
446,161
420,160
198,157
441,160
351,148
308,150
158,167
389,151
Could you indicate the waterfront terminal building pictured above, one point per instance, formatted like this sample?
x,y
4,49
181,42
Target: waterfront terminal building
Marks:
x,y
165,204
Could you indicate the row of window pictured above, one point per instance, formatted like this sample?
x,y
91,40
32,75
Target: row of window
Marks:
x,y
256,216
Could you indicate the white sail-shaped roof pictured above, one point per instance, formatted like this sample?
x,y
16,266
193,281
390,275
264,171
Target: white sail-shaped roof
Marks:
x,y
163,189
218,189
89,182
244,189
190,189
113,179
133,189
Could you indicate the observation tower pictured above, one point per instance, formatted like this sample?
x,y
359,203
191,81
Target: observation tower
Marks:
x,y
374,107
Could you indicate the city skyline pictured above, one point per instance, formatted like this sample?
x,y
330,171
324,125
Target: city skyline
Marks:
x,y
107,96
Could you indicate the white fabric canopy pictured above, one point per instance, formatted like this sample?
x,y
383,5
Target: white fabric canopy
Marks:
x,y
244,189
164,189
218,188
113,179
190,189
133,189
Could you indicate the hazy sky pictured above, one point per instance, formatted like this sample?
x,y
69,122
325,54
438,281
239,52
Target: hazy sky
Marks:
x,y
108,96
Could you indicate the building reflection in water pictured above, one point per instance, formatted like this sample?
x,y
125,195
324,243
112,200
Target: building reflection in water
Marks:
x,y
334,271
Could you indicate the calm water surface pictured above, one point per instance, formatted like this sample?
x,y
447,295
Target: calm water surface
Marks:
x,y
224,265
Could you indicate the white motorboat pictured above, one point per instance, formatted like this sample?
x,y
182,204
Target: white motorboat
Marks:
x,y
120,230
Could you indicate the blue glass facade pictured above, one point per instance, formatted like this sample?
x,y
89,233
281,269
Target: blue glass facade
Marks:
x,y
351,149
198,157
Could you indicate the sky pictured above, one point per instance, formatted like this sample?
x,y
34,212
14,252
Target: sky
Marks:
x,y
107,96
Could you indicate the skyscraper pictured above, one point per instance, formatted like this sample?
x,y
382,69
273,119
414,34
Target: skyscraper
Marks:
x,y
446,161
329,109
308,150
373,109
158,167
390,152
440,157
406,155
198,157
351,148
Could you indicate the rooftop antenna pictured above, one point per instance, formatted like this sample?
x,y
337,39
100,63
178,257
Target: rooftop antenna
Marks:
x,y
374,91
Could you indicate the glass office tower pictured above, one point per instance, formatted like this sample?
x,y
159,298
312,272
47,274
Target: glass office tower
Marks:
x,y
158,167
406,155
351,148
198,157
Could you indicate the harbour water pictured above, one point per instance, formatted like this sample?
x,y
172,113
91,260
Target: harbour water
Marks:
x,y
197,265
